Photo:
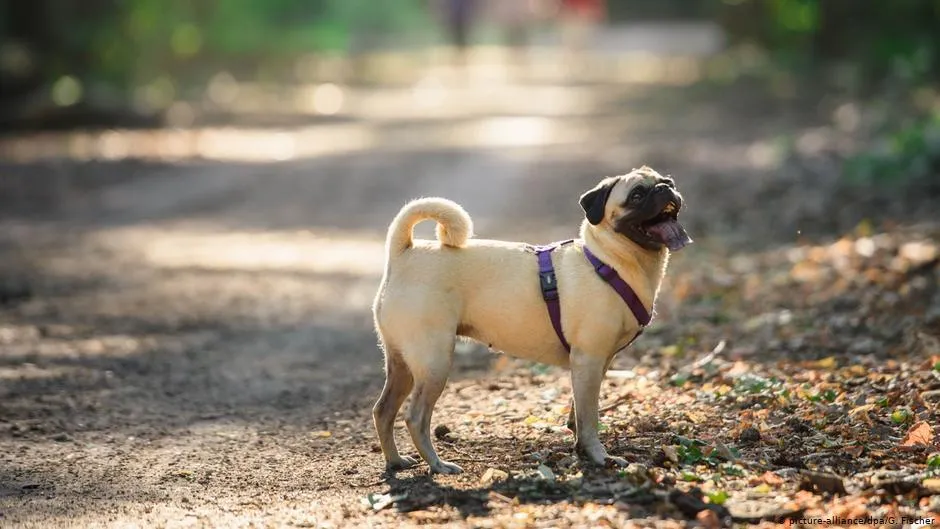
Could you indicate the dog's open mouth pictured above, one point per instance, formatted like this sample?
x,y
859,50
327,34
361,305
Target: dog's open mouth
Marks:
x,y
665,228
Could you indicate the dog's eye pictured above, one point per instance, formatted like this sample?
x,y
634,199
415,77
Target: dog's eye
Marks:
x,y
637,194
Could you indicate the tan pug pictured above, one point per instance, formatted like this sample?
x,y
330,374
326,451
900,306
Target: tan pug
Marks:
x,y
486,290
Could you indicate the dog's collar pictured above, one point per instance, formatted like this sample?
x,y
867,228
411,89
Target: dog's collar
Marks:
x,y
549,286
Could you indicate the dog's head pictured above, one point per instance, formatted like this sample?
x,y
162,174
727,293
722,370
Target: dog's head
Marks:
x,y
643,206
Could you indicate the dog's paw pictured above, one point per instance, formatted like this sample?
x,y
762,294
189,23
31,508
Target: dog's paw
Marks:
x,y
443,467
597,456
401,464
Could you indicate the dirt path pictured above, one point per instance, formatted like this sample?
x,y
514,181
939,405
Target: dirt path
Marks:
x,y
190,345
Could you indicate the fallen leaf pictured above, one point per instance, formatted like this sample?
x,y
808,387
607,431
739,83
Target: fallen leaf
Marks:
x,y
670,350
855,451
763,488
671,454
901,415
851,508
492,475
537,422
933,462
930,486
322,433
724,452
920,434
771,479
856,370
826,363
822,482
718,497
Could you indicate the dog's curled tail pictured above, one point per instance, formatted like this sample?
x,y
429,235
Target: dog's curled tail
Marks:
x,y
454,226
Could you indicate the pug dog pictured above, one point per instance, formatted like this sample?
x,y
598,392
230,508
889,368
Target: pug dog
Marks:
x,y
433,292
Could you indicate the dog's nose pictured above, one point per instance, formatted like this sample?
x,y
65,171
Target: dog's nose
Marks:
x,y
669,192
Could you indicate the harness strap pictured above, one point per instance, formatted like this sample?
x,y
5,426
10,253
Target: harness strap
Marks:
x,y
548,283
621,287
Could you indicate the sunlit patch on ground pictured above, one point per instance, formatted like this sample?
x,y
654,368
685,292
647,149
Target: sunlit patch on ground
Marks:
x,y
256,252
34,372
265,145
496,109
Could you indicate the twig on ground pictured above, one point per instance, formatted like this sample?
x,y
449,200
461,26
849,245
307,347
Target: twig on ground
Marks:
x,y
373,484
620,399
463,455
705,360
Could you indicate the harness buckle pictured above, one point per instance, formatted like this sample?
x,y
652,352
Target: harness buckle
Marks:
x,y
549,285
606,272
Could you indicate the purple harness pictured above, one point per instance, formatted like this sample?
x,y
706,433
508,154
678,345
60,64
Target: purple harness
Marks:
x,y
549,285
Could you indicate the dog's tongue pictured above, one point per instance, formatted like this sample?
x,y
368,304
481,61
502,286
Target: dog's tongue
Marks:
x,y
670,233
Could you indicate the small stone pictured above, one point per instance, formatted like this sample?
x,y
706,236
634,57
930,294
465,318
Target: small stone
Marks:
x,y
709,519
61,438
441,431
749,435
546,473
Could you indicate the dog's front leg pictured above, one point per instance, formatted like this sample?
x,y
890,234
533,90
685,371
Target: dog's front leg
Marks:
x,y
571,424
587,373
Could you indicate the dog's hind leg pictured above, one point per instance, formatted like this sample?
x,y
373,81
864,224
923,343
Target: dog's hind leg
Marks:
x,y
398,383
429,359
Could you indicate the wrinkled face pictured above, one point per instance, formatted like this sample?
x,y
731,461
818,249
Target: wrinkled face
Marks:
x,y
642,206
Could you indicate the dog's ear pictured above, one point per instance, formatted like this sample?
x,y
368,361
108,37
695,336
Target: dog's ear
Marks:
x,y
594,201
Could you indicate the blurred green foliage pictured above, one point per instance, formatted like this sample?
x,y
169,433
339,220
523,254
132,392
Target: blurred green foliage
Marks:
x,y
878,51
128,43
875,38
905,152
